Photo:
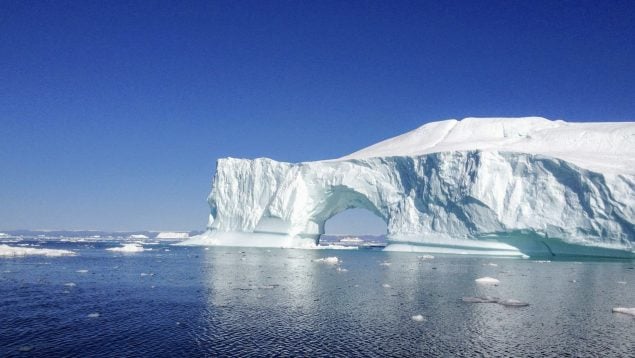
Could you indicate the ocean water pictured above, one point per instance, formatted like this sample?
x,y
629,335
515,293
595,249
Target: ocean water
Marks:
x,y
225,301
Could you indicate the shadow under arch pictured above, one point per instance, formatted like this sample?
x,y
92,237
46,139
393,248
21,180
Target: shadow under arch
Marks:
x,y
339,199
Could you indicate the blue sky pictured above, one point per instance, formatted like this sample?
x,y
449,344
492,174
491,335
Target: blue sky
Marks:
x,y
113,114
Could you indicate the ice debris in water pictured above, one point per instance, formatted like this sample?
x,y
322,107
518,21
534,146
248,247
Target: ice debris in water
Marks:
x,y
487,281
621,282
82,271
340,269
489,299
513,303
25,348
418,318
93,315
127,248
425,257
333,260
385,263
385,285
492,264
11,251
483,299
70,284
624,310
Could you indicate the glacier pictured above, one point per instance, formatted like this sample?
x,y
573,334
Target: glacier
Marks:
x,y
492,186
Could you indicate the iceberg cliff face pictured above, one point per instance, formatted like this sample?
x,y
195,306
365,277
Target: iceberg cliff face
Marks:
x,y
492,186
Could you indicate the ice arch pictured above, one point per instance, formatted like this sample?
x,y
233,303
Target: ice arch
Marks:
x,y
355,222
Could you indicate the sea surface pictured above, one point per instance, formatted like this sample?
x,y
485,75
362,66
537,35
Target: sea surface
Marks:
x,y
228,301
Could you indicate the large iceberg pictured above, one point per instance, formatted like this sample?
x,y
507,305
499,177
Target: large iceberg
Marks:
x,y
496,186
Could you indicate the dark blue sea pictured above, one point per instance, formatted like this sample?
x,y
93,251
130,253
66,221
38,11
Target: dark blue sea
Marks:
x,y
175,301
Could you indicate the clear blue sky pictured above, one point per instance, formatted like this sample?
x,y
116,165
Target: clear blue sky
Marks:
x,y
113,113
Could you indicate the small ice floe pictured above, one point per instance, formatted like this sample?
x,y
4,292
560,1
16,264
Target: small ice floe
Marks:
x,y
624,310
336,247
490,299
70,284
385,285
25,348
146,274
93,315
168,250
542,261
425,257
340,269
385,263
621,282
483,299
573,281
12,251
487,281
82,271
491,264
127,248
513,303
333,260
418,318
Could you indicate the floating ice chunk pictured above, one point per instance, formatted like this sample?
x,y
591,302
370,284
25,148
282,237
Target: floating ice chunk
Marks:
x,y
483,299
385,285
25,348
418,318
385,264
340,269
492,264
621,282
12,251
425,257
487,281
93,315
82,271
127,248
624,310
335,247
513,303
70,284
328,260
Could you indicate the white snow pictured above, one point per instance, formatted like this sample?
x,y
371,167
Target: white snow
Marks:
x,y
487,281
488,186
328,260
127,248
173,235
624,310
596,146
12,251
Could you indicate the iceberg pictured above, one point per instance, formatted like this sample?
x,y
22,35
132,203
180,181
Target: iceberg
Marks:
x,y
490,186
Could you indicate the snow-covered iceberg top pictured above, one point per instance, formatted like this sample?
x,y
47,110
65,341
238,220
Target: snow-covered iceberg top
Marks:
x,y
603,147
508,186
